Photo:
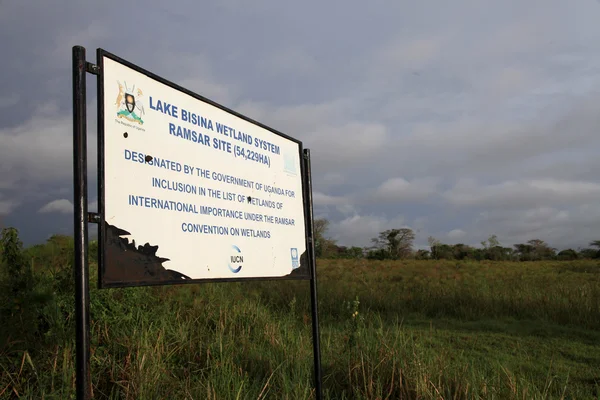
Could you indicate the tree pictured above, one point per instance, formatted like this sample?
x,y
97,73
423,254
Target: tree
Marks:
x,y
588,253
433,241
353,252
434,246
19,286
567,255
535,250
397,243
542,250
422,254
499,253
323,245
461,251
491,242
12,256
444,252
526,251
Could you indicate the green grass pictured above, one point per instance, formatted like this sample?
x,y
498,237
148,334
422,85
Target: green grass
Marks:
x,y
424,329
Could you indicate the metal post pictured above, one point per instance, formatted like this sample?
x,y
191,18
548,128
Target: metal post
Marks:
x,y
313,280
80,199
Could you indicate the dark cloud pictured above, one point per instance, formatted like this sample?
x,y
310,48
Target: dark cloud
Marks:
x,y
459,119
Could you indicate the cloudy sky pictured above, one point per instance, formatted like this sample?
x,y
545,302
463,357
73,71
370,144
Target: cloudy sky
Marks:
x,y
459,119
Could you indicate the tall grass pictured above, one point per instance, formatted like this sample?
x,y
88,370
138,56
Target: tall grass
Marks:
x,y
389,330
561,292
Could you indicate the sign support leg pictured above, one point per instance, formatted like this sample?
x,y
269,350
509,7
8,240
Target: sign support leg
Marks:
x,y
313,280
80,199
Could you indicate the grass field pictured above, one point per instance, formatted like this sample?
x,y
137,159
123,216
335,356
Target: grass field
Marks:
x,y
389,330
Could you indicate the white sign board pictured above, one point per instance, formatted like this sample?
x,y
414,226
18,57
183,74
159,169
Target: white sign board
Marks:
x,y
220,196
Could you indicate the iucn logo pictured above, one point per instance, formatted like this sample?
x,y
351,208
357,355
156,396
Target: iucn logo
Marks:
x,y
236,260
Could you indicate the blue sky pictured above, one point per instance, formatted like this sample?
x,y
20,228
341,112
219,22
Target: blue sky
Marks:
x,y
458,119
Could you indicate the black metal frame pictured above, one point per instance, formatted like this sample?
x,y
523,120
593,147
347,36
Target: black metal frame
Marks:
x,y
82,217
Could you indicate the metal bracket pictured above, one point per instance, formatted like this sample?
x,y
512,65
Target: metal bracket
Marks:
x,y
92,68
93,217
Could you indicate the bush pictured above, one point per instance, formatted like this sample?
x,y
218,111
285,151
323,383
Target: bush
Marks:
x,y
28,300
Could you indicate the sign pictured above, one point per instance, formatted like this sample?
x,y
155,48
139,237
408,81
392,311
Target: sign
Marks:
x,y
191,190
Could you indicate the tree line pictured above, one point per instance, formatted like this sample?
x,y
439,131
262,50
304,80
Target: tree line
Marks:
x,y
396,244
